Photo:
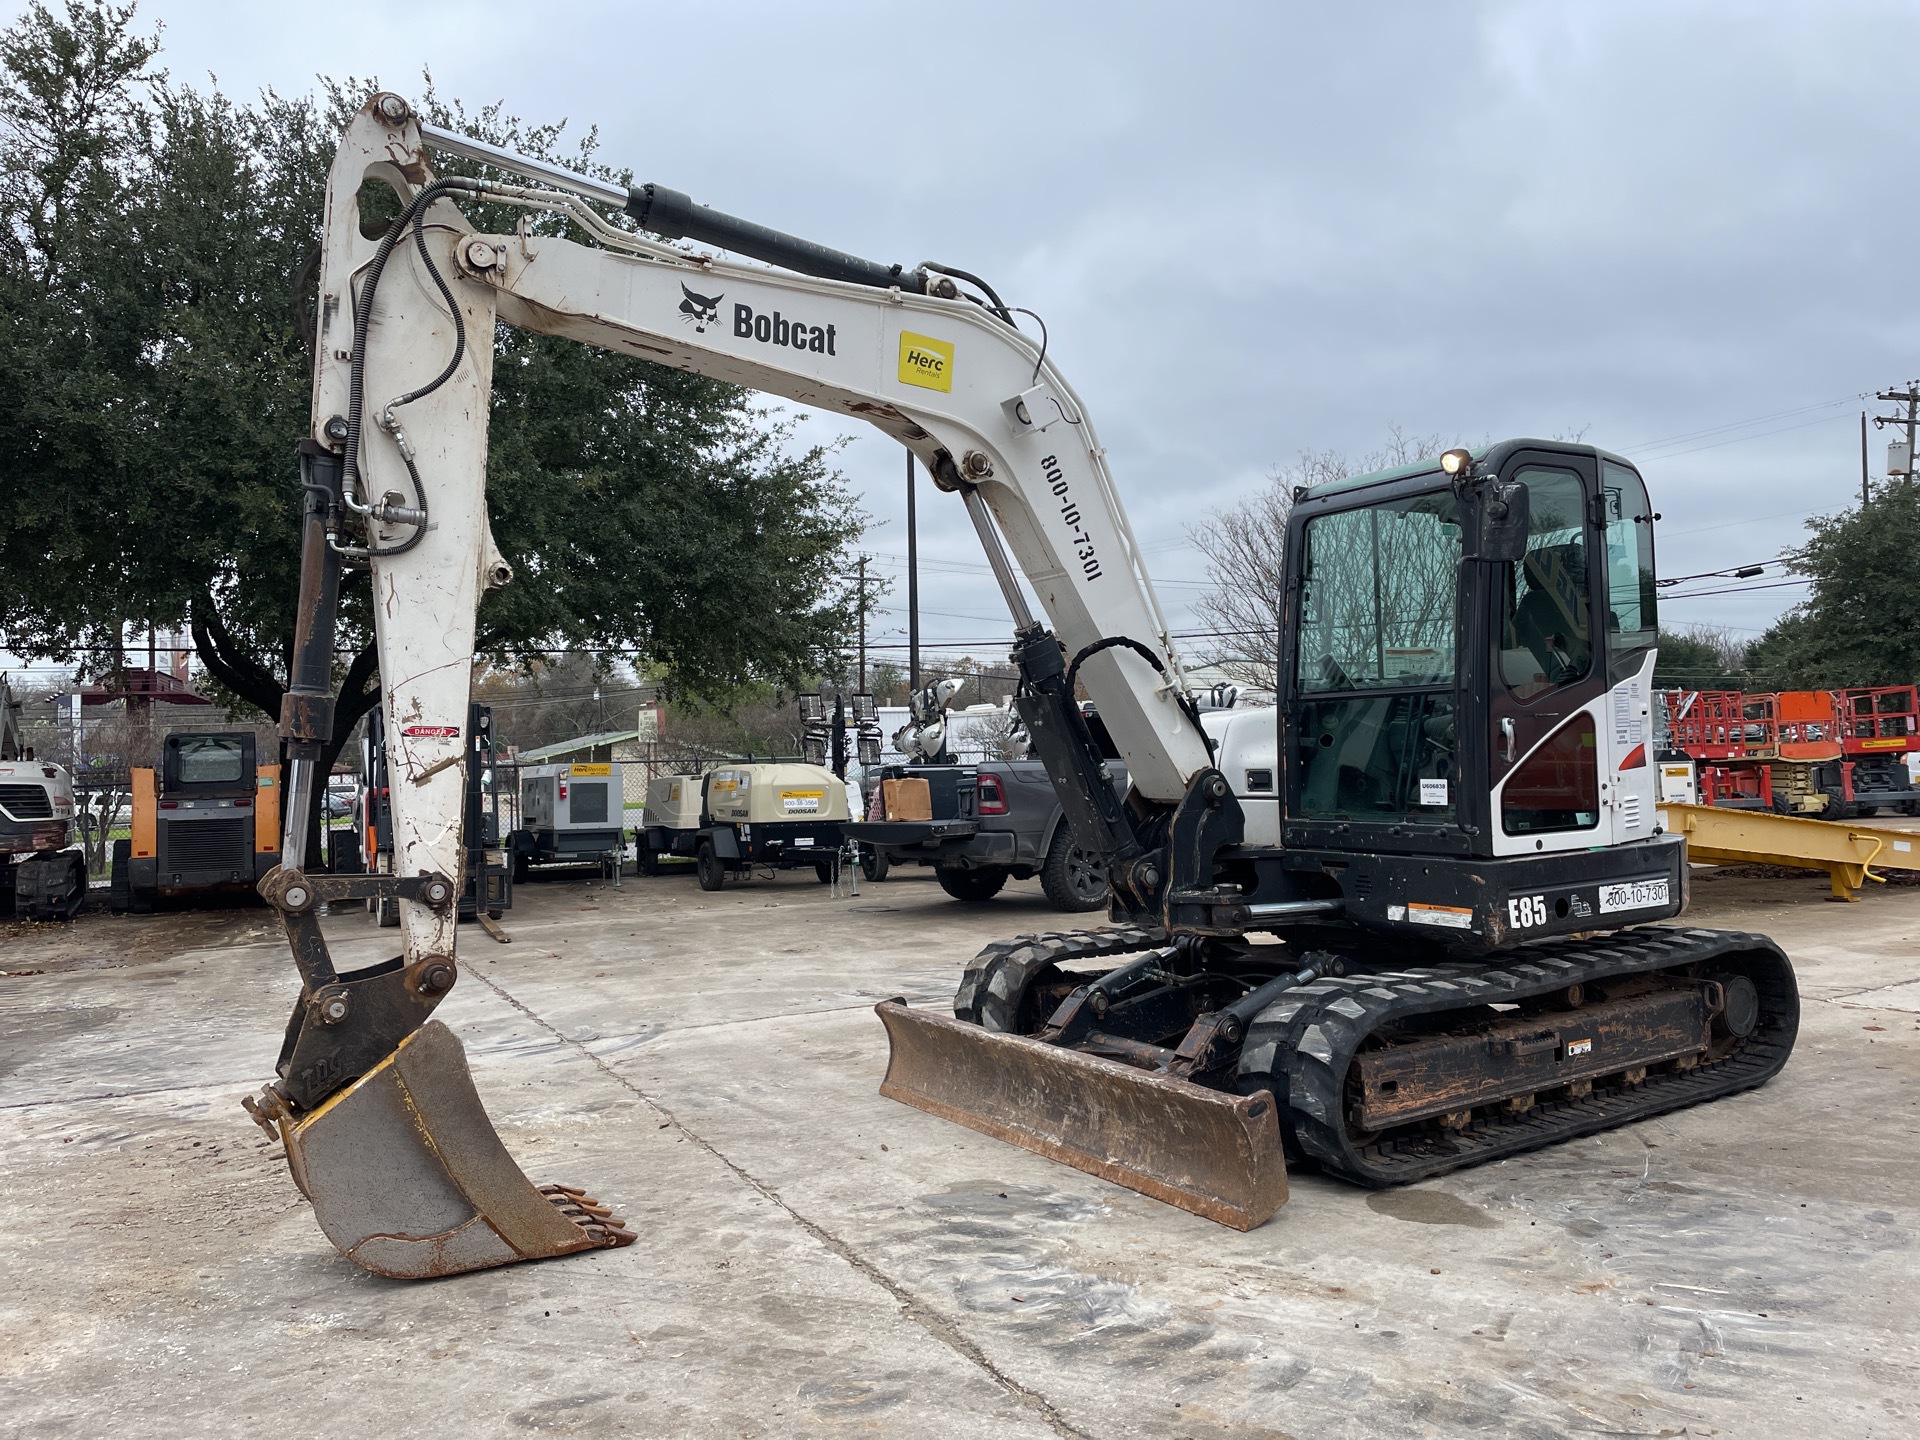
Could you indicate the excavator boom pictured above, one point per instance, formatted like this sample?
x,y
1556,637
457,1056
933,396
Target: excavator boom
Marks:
x,y
383,1128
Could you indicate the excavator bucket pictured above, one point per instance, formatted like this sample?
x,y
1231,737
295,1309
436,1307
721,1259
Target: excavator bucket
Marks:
x,y
409,1180
1215,1154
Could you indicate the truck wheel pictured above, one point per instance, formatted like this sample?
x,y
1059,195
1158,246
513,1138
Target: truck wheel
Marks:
x,y
970,885
50,885
649,859
78,896
827,869
713,870
1072,878
874,864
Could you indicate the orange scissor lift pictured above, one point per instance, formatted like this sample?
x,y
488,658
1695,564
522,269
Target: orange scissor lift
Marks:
x,y
1825,754
1761,779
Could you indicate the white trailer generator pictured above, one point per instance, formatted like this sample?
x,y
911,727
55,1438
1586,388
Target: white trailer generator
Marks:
x,y
570,814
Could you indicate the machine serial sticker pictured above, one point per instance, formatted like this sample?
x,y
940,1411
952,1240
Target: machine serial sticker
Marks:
x,y
1633,895
1433,792
1577,1048
796,802
926,362
1454,917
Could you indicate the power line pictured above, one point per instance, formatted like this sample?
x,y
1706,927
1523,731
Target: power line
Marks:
x,y
1733,590
1702,434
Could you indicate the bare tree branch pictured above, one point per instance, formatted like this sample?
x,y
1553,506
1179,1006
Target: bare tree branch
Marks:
x,y
1245,546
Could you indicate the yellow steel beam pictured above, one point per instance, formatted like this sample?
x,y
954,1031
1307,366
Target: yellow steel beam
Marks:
x,y
1849,853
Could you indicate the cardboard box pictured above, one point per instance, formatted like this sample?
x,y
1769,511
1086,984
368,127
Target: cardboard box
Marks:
x,y
909,799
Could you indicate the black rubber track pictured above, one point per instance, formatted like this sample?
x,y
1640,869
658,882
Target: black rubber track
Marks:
x,y
996,980
1301,1047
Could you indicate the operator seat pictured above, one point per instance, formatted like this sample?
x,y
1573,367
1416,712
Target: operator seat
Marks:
x,y
1552,620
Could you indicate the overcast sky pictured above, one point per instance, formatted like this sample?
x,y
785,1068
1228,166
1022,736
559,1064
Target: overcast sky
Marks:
x,y
1685,230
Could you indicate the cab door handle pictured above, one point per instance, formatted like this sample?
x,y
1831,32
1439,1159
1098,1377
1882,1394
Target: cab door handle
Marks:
x,y
1506,739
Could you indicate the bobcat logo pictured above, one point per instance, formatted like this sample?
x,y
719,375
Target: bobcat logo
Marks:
x,y
702,310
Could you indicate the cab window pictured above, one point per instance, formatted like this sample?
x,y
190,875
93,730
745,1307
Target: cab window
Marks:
x,y
1547,627
210,759
1631,620
1378,596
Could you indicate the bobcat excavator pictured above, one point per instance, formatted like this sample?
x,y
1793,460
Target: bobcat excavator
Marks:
x,y
1389,927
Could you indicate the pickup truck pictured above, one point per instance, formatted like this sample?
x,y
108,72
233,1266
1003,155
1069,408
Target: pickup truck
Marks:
x,y
992,821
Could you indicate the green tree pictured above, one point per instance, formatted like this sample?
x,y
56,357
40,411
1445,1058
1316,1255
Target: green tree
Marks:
x,y
1856,625
154,373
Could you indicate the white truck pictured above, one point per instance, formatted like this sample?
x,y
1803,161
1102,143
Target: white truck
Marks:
x,y
40,877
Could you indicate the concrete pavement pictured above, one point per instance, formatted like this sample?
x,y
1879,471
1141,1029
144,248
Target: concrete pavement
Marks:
x,y
816,1260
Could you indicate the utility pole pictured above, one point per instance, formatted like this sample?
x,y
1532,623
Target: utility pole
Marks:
x,y
913,588
863,603
1910,397
1863,459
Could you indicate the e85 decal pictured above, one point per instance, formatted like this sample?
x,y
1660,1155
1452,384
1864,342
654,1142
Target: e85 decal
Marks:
x,y
1524,912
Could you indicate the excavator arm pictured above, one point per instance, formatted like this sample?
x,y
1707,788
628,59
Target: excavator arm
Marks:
x,y
383,1129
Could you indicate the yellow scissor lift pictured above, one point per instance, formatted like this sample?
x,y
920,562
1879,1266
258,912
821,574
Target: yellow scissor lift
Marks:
x,y
1850,853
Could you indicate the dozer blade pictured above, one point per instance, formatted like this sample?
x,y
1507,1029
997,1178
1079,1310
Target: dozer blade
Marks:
x,y
1215,1154
408,1178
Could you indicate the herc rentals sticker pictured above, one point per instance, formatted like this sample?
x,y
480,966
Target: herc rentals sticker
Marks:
x,y
801,802
926,362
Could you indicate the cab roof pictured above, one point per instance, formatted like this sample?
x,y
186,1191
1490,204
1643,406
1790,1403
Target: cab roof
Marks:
x,y
1492,456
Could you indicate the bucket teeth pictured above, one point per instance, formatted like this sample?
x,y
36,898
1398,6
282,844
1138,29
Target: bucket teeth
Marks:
x,y
607,1230
575,1202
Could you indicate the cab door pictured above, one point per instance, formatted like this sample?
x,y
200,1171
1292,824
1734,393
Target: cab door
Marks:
x,y
1629,621
1548,671
1571,684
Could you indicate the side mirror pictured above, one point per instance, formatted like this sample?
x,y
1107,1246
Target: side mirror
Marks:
x,y
1500,533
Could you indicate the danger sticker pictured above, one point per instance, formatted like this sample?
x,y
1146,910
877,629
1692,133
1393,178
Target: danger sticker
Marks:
x,y
433,732
1454,917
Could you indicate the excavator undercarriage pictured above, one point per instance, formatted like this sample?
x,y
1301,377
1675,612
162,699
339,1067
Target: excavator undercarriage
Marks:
x,y
1374,1071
